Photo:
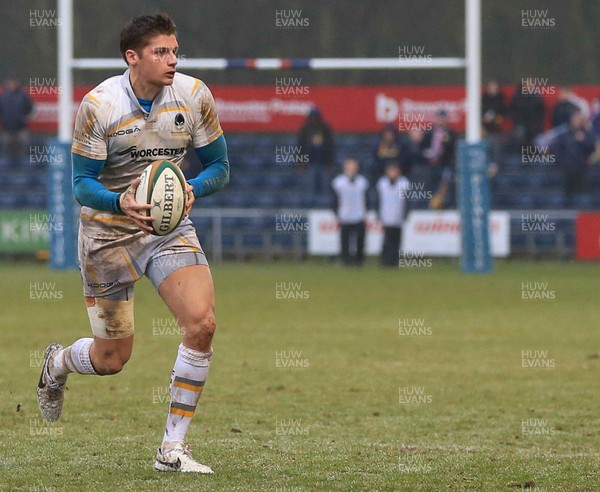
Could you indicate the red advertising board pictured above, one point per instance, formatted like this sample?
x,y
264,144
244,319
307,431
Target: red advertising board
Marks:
x,y
587,236
283,106
347,109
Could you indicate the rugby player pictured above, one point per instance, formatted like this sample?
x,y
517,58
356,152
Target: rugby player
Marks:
x,y
149,113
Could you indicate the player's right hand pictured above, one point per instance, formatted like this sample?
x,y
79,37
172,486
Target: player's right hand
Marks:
x,y
132,209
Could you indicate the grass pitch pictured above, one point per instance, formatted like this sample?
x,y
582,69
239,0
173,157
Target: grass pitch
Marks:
x,y
324,378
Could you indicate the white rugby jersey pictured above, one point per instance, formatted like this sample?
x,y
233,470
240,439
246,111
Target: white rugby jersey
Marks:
x,y
351,192
111,125
392,200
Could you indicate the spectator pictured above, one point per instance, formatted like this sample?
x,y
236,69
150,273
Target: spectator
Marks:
x,y
438,149
414,149
581,103
390,148
567,104
316,141
595,118
572,150
564,107
527,110
391,192
15,109
350,189
493,110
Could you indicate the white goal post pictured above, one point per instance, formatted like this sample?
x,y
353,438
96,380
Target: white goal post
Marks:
x,y
471,179
472,63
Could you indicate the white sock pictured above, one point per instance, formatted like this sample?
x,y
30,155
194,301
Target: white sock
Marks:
x,y
187,382
75,358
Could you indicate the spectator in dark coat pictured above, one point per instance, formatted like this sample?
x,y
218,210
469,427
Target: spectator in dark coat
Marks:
x,y
564,108
595,118
316,141
493,108
438,150
15,109
390,148
572,150
414,142
438,143
527,110
493,114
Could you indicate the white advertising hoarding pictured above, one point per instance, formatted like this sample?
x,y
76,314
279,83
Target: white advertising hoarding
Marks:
x,y
427,232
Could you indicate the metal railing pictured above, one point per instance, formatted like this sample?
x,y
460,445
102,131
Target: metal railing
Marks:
x,y
268,247
558,238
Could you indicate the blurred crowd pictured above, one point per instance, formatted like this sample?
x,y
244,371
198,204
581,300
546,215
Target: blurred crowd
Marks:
x,y
423,161
518,126
568,132
415,165
16,108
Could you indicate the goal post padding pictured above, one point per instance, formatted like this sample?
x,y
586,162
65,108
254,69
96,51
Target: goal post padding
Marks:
x,y
61,207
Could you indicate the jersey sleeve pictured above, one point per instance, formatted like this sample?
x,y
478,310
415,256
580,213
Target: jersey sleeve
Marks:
x,y
89,136
207,127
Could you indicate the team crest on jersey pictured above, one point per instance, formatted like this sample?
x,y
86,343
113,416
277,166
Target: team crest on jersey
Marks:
x,y
179,121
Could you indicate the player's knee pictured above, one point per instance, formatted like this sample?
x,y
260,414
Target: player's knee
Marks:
x,y
109,363
200,325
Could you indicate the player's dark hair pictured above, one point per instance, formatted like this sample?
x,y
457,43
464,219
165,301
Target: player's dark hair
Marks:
x,y
138,31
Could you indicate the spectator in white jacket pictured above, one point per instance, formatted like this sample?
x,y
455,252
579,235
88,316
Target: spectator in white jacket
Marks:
x,y
350,190
392,193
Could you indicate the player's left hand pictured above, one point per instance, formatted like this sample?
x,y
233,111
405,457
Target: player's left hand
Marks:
x,y
190,198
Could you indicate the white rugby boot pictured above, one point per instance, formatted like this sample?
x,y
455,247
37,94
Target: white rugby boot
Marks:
x,y
178,459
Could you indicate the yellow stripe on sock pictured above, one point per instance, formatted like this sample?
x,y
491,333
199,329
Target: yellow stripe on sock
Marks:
x,y
185,386
183,413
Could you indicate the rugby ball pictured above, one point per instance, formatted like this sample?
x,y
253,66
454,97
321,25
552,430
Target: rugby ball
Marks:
x,y
162,185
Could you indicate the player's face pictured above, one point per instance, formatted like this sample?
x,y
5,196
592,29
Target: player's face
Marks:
x,y
157,61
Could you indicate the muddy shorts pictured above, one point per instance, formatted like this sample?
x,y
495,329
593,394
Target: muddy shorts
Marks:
x,y
110,267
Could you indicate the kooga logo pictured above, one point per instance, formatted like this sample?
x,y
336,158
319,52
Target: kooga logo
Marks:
x,y
135,153
129,131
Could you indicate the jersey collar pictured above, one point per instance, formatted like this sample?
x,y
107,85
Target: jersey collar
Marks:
x,y
126,85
